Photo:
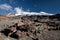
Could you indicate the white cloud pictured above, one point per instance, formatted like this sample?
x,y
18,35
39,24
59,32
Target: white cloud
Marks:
x,y
19,11
36,13
44,13
5,6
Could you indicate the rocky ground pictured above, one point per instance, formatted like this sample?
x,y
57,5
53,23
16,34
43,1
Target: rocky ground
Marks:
x,y
44,35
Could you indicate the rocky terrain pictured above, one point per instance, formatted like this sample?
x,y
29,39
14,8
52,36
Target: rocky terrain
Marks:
x,y
49,26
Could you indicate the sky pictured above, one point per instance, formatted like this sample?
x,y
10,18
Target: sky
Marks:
x,y
15,6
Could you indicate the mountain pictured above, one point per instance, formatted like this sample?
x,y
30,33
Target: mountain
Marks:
x,y
46,23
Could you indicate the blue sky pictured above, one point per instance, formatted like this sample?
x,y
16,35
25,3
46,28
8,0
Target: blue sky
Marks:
x,y
49,6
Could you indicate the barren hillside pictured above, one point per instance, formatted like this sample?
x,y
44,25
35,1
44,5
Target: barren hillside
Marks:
x,y
49,26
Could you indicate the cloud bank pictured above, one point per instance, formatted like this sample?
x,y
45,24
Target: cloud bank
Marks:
x,y
19,11
5,6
